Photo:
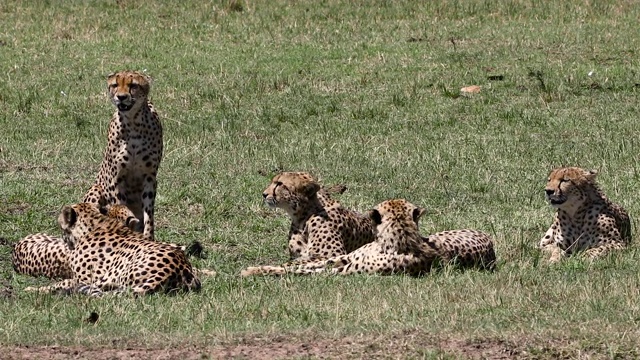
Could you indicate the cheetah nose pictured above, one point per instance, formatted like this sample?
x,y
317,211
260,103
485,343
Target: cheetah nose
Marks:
x,y
264,195
122,97
549,191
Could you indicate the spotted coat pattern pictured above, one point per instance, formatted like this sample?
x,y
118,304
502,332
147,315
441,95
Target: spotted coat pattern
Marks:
x,y
585,220
399,248
320,226
105,255
45,255
131,159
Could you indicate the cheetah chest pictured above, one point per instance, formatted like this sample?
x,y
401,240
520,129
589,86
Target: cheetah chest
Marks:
x,y
578,232
133,158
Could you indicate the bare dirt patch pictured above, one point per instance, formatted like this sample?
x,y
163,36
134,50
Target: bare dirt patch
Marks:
x,y
409,344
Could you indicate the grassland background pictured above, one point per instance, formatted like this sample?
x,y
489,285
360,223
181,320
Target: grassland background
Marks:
x,y
363,93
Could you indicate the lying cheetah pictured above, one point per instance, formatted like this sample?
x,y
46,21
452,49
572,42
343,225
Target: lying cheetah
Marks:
x,y
585,219
320,226
106,256
399,248
134,150
45,255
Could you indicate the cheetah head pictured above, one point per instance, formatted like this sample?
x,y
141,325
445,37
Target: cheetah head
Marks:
x,y
396,211
77,221
290,191
72,223
396,222
128,89
566,186
123,214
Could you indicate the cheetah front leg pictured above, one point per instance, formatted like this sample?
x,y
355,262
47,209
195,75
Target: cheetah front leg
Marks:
x,y
64,287
263,270
148,205
548,245
547,239
554,252
96,196
302,267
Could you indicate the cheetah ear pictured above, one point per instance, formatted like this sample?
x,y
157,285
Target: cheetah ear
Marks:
x,y
148,78
149,81
417,214
590,174
310,188
375,216
67,218
107,85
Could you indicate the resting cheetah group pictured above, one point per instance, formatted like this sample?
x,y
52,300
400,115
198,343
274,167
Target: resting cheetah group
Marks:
x,y
108,246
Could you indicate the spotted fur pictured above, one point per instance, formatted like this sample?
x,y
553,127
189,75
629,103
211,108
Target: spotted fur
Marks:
x,y
134,150
399,248
585,220
107,256
45,255
320,226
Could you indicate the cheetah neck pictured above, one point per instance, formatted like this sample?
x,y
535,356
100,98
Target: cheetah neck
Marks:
x,y
596,195
133,116
577,213
304,210
398,239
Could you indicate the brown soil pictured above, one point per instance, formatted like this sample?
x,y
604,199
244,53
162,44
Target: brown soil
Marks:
x,y
410,344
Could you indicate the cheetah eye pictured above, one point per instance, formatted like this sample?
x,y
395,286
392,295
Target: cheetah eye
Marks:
x,y
278,183
113,86
133,86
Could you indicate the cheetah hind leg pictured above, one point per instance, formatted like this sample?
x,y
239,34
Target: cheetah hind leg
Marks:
x,y
602,250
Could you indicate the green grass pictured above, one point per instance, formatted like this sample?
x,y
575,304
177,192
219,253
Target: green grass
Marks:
x,y
364,93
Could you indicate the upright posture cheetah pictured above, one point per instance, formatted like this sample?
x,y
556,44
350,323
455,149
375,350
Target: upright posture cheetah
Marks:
x,y
105,256
585,219
320,226
134,150
399,248
45,255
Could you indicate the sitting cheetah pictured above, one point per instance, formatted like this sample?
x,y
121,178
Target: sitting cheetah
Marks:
x,y
106,256
585,219
46,255
134,150
399,248
320,226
